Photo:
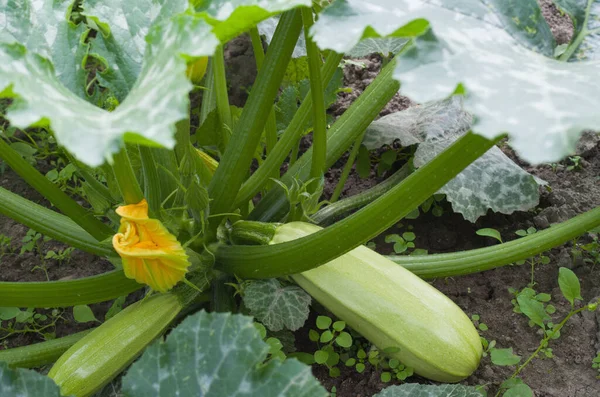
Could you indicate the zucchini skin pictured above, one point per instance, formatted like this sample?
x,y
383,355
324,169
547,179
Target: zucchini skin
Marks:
x,y
106,351
392,307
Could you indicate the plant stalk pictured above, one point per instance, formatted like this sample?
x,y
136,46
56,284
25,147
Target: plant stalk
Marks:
x,y
481,259
319,117
50,191
319,248
128,183
236,160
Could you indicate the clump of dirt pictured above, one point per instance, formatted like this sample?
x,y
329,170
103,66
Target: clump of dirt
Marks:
x,y
560,23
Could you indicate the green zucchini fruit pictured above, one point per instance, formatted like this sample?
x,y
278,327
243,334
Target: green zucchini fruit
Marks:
x,y
102,354
392,308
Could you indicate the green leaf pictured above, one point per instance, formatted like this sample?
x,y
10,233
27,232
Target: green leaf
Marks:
x,y
533,309
276,306
326,337
504,357
323,322
542,103
385,46
489,232
25,383
121,41
216,354
418,390
8,313
569,285
344,340
321,356
232,17
520,390
83,314
43,28
493,181
586,20
148,114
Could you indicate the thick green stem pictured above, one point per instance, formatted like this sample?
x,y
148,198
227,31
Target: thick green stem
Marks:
x,y
50,191
125,176
235,163
81,291
209,100
319,116
319,248
152,186
347,168
478,260
287,142
341,136
50,223
338,208
222,95
271,126
40,354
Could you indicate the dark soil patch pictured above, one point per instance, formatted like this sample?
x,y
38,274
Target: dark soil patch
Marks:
x,y
22,267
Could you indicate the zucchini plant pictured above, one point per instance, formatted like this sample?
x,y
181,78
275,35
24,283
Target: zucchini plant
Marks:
x,y
176,202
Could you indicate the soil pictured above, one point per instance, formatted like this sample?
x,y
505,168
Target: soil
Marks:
x,y
567,374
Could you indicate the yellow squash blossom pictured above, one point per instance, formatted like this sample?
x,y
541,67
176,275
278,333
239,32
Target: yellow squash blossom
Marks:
x,y
151,255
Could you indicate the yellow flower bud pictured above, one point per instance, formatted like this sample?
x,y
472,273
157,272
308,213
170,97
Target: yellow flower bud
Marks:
x,y
196,70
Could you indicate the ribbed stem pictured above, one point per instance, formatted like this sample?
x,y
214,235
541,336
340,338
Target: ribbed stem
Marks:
x,y
40,354
478,260
222,95
340,137
235,163
338,208
271,126
50,191
152,188
319,117
128,183
50,223
314,250
81,291
288,141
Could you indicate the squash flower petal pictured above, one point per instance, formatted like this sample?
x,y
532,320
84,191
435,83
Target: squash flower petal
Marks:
x,y
150,254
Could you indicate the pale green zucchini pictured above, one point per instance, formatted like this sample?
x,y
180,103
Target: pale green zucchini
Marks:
x,y
392,307
99,356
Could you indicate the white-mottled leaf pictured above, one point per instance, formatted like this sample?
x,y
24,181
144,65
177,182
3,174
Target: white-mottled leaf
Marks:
x,y
43,28
121,42
381,45
418,390
543,104
267,28
277,306
586,20
232,17
216,355
493,181
156,102
25,383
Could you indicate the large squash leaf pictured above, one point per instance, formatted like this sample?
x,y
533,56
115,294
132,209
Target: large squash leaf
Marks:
x,y
156,102
277,306
25,383
232,17
43,28
496,51
121,41
217,354
493,181
417,390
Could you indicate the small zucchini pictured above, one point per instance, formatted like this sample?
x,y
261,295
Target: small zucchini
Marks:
x,y
102,354
392,307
